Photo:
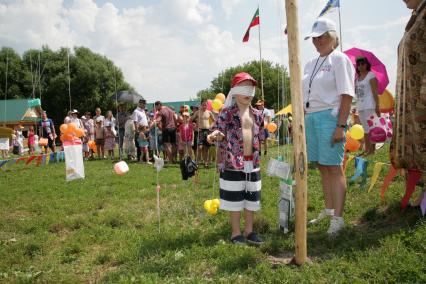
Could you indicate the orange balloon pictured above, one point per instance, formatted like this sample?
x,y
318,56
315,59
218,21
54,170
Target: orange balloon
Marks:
x,y
221,97
272,127
67,137
63,128
71,128
352,145
79,132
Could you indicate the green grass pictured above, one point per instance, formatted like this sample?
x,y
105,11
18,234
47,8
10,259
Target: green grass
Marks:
x,y
104,228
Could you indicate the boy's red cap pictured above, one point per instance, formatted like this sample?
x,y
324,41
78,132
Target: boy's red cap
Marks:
x,y
243,76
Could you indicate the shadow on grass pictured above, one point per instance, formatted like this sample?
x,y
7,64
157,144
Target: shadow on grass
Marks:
x,y
365,233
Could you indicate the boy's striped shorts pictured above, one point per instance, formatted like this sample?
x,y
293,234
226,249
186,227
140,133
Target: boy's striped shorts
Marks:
x,y
240,190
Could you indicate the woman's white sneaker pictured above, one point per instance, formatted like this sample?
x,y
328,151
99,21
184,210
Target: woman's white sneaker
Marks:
x,y
336,224
322,215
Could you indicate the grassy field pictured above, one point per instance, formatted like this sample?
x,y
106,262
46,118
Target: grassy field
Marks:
x,y
104,229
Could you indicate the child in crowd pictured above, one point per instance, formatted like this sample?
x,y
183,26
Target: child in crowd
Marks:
x,y
100,138
143,143
31,140
109,143
129,138
186,134
155,138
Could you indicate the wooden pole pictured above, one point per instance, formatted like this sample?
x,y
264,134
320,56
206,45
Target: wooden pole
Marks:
x,y
299,141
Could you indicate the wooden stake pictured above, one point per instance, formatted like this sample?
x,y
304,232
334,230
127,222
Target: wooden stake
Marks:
x,y
299,141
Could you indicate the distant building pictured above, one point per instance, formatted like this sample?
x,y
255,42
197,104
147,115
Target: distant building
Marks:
x,y
23,112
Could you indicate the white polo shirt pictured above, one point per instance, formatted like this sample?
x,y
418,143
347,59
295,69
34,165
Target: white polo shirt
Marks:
x,y
335,77
139,117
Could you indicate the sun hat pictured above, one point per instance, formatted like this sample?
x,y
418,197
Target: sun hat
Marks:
x,y
243,76
320,27
74,111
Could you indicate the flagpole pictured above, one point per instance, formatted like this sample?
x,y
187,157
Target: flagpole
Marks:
x,y
260,55
299,141
340,31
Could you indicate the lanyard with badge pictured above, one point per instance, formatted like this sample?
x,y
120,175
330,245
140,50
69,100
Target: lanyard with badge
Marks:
x,y
312,77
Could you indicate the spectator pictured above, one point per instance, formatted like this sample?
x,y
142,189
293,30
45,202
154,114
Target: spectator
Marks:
x,y
203,118
31,140
99,116
367,99
129,139
168,122
140,119
408,148
266,120
109,136
122,117
100,138
47,130
74,119
186,135
89,134
328,88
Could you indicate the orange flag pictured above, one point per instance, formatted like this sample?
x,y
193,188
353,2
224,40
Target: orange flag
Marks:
x,y
388,179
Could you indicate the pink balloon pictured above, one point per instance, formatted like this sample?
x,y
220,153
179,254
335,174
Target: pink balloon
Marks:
x,y
209,105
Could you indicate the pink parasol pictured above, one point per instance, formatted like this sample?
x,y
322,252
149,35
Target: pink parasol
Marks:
x,y
377,67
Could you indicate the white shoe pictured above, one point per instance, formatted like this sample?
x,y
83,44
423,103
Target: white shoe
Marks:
x,y
336,224
322,215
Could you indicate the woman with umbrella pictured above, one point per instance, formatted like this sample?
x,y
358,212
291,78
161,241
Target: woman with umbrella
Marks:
x,y
367,98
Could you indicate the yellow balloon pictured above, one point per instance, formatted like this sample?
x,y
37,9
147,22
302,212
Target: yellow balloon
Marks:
x,y
217,104
221,97
216,202
213,210
357,132
207,205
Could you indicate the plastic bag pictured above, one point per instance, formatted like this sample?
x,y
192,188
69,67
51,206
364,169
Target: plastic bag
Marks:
x,y
278,168
285,207
74,166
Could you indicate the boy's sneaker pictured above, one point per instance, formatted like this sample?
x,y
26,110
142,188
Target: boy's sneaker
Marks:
x,y
254,239
238,240
336,224
322,215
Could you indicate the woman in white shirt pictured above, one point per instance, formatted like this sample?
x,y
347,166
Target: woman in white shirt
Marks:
x,y
328,88
367,99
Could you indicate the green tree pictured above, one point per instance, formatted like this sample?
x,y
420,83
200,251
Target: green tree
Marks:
x,y
44,74
275,76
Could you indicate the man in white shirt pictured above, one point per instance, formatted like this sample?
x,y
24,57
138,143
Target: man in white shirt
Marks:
x,y
260,105
139,117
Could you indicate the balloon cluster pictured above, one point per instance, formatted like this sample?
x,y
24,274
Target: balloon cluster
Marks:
x,y
211,206
216,104
70,131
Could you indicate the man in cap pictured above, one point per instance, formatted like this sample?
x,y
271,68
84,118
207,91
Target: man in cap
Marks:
x,y
168,121
238,132
260,105
140,119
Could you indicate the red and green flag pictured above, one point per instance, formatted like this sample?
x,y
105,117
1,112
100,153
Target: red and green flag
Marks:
x,y
254,22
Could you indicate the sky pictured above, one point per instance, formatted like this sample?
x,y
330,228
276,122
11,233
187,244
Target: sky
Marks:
x,y
170,49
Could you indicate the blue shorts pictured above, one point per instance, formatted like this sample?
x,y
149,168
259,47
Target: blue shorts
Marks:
x,y
320,127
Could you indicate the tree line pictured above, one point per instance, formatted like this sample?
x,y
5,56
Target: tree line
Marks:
x,y
43,73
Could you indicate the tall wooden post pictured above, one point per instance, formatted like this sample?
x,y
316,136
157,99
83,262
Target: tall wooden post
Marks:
x,y
299,141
